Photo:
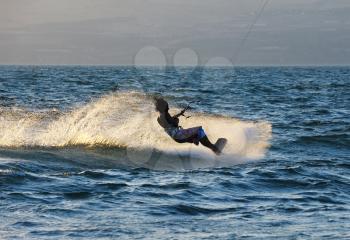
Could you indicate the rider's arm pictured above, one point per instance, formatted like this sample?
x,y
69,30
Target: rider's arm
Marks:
x,y
172,120
179,114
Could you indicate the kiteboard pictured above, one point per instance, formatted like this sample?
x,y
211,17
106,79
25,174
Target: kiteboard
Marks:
x,y
220,144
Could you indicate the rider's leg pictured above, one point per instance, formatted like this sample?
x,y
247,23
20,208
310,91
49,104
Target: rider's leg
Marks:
x,y
203,139
206,142
195,135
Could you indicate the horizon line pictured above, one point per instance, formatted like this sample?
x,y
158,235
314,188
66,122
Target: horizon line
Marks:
x,y
182,66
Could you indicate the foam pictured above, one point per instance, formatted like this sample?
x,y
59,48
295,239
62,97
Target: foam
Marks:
x,y
128,120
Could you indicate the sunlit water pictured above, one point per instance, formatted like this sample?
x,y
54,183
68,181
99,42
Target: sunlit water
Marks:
x,y
82,156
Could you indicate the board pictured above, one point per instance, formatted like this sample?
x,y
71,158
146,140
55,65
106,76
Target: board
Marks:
x,y
220,144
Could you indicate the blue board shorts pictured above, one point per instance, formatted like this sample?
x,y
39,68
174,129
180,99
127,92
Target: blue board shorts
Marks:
x,y
190,135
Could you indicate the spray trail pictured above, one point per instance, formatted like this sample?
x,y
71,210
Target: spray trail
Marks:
x,y
128,121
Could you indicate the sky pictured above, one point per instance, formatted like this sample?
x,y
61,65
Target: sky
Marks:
x,y
177,32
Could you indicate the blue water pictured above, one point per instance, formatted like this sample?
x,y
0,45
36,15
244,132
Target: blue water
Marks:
x,y
70,184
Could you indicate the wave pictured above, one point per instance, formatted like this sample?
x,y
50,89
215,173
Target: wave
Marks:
x,y
126,121
332,139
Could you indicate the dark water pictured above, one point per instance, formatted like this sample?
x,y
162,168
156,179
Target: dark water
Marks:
x,y
299,190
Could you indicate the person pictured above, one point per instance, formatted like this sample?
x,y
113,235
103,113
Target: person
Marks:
x,y
171,126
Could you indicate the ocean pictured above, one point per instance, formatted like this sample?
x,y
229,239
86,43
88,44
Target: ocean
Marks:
x,y
82,155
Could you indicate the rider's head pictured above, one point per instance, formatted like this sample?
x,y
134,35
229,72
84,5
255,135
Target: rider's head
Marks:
x,y
161,105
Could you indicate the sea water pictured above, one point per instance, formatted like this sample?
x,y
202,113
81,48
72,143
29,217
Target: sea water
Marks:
x,y
82,155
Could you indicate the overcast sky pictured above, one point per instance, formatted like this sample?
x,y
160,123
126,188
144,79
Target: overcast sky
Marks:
x,y
288,32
